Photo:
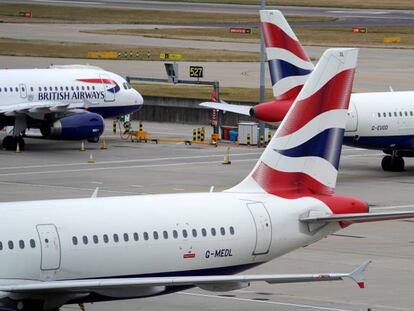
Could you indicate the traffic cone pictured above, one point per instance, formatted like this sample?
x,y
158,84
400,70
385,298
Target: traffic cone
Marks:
x,y
18,148
103,144
82,148
91,159
227,156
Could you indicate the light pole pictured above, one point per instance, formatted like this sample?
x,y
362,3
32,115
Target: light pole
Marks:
x,y
262,74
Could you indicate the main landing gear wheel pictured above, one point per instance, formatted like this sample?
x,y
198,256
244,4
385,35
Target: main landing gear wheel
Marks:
x,y
393,164
10,143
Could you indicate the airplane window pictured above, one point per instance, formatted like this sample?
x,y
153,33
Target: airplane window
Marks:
x,y
384,114
165,234
75,240
72,88
85,239
146,236
136,237
5,89
40,88
23,89
66,88
0,89
1,246
77,88
400,114
222,231
231,230
155,234
50,88
93,87
11,89
83,88
389,114
185,234
17,89
395,114
11,245
87,87
32,243
194,232
125,86
116,238
56,88
21,244
406,113
95,239
31,89
105,238
45,88
204,232
213,232
126,237
379,115
411,113
175,234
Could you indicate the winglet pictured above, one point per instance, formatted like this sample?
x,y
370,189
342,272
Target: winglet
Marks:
x,y
358,274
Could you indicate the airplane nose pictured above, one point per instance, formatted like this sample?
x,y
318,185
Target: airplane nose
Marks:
x,y
138,98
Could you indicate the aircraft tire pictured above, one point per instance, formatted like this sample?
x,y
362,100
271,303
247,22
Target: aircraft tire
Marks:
x,y
398,164
8,142
386,163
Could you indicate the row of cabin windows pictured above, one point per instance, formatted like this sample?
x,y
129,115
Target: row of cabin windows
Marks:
x,y
395,114
155,235
50,88
21,244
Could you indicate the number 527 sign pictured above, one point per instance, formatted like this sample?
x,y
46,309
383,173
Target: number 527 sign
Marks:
x,y
196,71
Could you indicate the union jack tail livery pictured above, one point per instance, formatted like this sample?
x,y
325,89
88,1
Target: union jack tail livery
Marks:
x,y
289,65
303,156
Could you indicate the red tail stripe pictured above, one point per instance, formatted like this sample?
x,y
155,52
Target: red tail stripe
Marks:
x,y
276,38
335,94
292,93
288,185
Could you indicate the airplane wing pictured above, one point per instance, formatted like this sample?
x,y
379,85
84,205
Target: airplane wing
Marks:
x,y
211,283
357,217
240,109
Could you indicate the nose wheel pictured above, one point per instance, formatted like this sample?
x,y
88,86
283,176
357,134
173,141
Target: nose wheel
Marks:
x,y
393,163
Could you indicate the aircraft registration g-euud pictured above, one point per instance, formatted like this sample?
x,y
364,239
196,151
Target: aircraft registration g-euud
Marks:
x,y
380,120
96,249
64,102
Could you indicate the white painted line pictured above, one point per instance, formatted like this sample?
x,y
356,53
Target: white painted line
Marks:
x,y
136,186
267,302
178,189
129,161
96,182
67,1
116,168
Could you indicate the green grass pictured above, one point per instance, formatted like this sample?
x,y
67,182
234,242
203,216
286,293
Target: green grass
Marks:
x,y
200,92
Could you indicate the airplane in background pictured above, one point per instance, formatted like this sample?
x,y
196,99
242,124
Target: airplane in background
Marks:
x,y
380,120
140,246
65,102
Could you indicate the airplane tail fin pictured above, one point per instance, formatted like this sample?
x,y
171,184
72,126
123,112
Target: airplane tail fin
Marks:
x,y
303,156
289,65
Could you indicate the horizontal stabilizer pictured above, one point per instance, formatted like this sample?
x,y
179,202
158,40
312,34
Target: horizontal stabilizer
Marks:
x,y
359,217
240,109
209,282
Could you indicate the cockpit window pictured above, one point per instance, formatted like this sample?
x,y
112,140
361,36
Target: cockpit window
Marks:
x,y
125,85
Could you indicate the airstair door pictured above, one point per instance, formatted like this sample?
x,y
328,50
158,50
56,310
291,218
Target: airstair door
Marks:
x,y
263,228
110,87
50,247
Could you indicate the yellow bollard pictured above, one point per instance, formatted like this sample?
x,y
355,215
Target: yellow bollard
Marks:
x,y
114,126
199,134
91,159
104,145
18,148
141,126
202,134
248,139
269,136
262,141
194,135
227,157
82,148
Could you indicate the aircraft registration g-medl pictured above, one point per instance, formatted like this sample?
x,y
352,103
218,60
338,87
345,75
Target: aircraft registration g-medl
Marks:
x,y
65,102
96,249
379,120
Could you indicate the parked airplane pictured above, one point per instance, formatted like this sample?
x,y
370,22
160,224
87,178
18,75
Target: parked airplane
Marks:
x,y
84,250
381,120
64,102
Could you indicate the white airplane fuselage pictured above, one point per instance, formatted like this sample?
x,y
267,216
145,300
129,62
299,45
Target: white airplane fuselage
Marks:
x,y
94,89
155,235
381,120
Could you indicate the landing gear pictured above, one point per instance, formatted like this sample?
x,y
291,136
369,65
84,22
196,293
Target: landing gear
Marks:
x,y
10,143
393,163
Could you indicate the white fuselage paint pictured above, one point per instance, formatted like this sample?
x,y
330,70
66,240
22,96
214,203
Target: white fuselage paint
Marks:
x,y
62,85
366,115
274,231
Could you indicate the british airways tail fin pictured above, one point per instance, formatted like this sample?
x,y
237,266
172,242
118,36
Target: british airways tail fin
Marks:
x,y
289,65
303,156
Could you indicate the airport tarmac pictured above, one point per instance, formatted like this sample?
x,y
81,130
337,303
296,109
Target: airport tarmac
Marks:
x,y
56,169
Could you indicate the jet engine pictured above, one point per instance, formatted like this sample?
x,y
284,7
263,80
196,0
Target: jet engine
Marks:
x,y
84,125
